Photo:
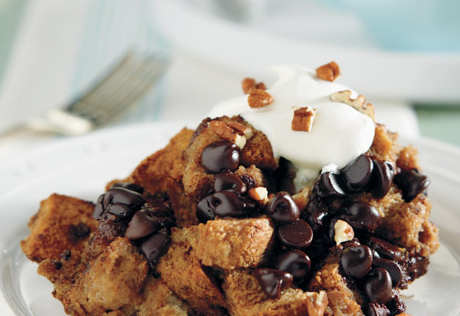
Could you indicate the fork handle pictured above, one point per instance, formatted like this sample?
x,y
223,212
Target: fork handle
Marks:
x,y
59,121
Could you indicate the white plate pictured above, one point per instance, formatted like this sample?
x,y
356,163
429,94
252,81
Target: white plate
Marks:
x,y
81,167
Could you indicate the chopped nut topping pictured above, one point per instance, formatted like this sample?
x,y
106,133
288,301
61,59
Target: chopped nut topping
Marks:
x,y
259,194
259,98
328,72
250,84
359,103
301,198
303,119
225,131
243,129
261,85
317,303
343,232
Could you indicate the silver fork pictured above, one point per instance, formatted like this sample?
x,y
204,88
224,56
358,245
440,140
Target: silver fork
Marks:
x,y
121,88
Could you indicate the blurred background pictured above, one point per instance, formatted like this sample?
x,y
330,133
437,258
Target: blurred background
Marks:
x,y
404,56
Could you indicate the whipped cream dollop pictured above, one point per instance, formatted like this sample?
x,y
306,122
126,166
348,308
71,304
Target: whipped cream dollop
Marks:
x,y
340,133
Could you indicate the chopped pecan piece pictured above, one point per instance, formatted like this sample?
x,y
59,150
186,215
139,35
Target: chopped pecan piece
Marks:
x,y
359,103
343,232
227,132
259,194
328,72
317,303
303,119
243,129
259,98
302,197
250,84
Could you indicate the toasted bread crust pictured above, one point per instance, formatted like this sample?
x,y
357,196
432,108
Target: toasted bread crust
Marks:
x,y
237,243
52,229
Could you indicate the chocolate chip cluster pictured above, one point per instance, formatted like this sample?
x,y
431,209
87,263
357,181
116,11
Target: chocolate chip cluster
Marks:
x,y
123,211
291,263
372,265
293,236
229,198
375,270
303,240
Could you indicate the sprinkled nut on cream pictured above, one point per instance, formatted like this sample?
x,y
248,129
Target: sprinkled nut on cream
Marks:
x,y
259,98
328,72
340,133
359,102
303,119
249,84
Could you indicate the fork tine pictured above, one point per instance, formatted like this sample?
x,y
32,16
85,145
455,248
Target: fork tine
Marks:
x,y
114,85
138,87
111,96
114,81
115,100
128,84
124,62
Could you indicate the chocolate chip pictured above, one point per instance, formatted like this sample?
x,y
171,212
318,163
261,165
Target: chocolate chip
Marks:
x,y
282,208
415,266
385,249
329,186
295,262
123,196
121,211
357,173
222,204
396,305
99,208
205,209
376,309
411,183
356,261
362,216
160,208
297,234
228,181
315,214
220,156
382,177
377,286
273,281
392,267
142,225
78,232
156,245
129,186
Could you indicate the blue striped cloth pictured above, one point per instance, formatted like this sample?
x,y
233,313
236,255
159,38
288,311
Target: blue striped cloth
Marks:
x,y
61,49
